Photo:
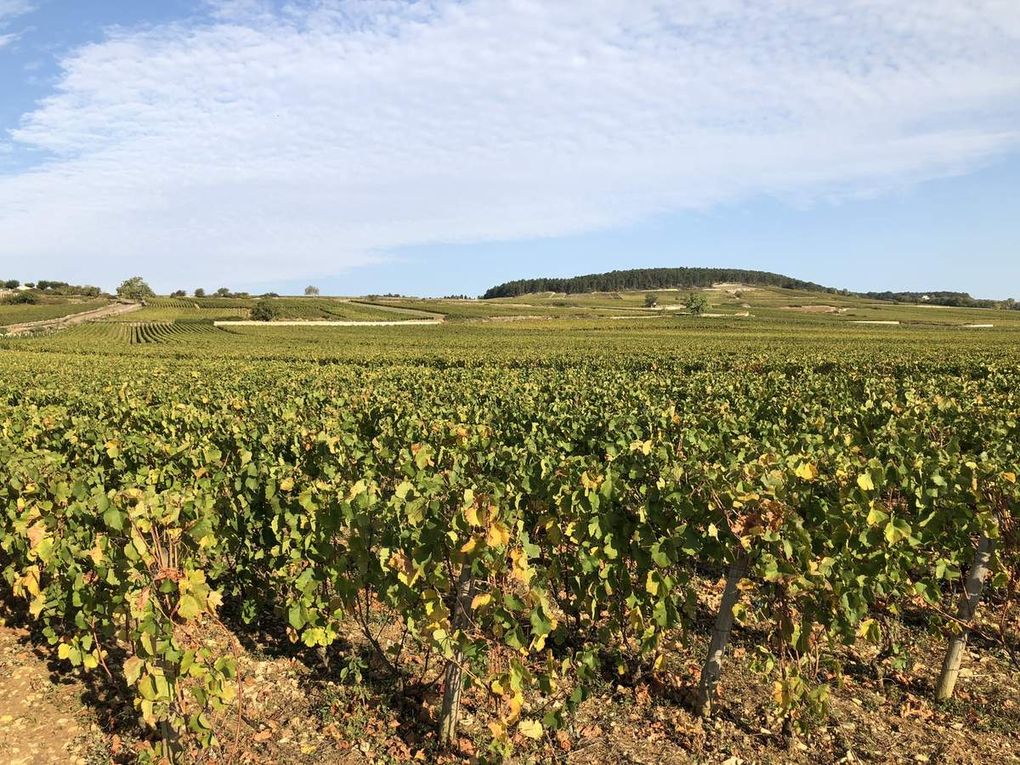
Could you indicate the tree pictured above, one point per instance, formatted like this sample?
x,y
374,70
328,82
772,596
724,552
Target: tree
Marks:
x,y
200,292
135,288
178,294
311,290
696,304
264,310
12,284
651,300
222,292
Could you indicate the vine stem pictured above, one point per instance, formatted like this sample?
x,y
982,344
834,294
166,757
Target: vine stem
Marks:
x,y
969,599
712,669
454,677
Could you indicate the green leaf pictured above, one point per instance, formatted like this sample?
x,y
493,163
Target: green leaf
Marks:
x,y
876,517
896,530
189,607
114,519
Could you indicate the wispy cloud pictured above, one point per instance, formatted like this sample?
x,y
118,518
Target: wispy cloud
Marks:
x,y
302,140
12,8
9,10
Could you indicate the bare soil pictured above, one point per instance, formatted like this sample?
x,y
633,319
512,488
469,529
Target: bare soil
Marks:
x,y
296,708
42,719
814,308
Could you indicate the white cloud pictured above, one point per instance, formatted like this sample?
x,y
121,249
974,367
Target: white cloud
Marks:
x,y
11,8
298,142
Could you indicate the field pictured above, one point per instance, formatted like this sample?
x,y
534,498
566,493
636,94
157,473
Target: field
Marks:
x,y
50,308
516,539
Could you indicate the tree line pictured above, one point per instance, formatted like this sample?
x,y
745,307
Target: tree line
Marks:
x,y
650,279
956,299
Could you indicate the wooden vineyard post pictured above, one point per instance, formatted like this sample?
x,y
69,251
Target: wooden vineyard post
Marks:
x,y
453,679
712,669
969,600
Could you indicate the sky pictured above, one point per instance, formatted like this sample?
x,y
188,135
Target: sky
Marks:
x,y
442,146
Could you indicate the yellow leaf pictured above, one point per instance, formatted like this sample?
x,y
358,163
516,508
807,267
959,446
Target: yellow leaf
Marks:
x,y
498,731
1011,477
652,584
521,571
96,553
498,534
36,534
865,482
37,605
148,712
778,692
286,484
480,601
471,514
864,628
530,728
807,471
513,708
213,601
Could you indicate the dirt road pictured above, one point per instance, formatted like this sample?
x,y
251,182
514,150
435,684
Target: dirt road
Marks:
x,y
114,309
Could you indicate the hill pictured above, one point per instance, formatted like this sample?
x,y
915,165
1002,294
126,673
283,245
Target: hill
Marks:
x,y
650,279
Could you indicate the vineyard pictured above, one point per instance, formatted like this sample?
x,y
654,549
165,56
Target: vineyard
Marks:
x,y
502,525
53,309
163,310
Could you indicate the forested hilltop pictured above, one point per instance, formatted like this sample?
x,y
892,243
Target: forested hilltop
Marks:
x,y
650,279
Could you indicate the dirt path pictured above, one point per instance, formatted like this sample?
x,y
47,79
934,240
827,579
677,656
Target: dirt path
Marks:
x,y
41,722
327,323
114,309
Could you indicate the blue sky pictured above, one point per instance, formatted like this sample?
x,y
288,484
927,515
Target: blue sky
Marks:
x,y
440,147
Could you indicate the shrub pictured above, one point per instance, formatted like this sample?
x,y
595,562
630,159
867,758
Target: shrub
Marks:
x,y
22,298
264,310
